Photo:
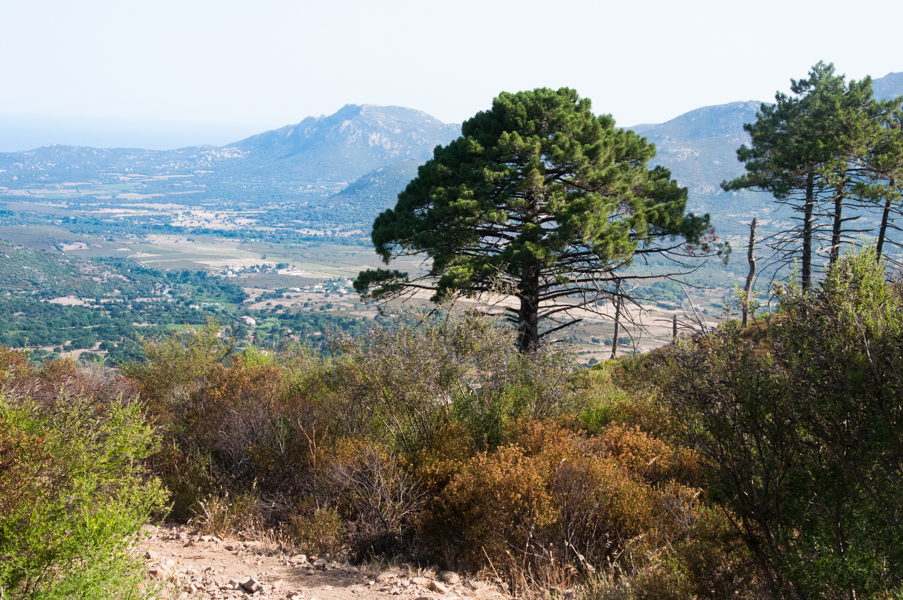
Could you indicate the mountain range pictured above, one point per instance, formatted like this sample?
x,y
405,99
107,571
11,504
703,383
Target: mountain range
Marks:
x,y
346,167
340,147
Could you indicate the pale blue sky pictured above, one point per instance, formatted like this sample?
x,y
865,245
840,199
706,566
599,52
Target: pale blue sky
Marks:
x,y
172,73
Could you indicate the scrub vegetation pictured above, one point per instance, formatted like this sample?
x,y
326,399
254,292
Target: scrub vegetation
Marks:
x,y
757,462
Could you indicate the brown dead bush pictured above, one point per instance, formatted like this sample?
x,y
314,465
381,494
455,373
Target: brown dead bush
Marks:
x,y
378,498
50,380
557,502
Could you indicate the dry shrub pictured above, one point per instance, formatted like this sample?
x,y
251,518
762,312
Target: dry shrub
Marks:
x,y
436,465
272,423
646,457
376,450
46,383
556,502
377,497
236,417
233,426
225,516
601,510
493,510
187,476
716,560
12,361
316,530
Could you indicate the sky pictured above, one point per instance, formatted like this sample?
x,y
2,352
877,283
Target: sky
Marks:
x,y
165,74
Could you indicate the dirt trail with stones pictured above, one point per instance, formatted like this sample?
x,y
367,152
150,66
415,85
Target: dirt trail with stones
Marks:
x,y
187,565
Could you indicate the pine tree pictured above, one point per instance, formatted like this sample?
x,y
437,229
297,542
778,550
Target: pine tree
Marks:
x,y
883,164
542,200
819,151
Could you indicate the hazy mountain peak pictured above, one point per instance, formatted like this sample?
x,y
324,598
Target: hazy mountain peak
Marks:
x,y
722,120
376,149
889,86
348,143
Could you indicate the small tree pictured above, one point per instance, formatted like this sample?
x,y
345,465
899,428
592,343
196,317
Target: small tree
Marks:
x,y
539,199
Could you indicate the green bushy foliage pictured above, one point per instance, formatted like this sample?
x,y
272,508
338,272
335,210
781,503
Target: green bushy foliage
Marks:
x,y
318,530
177,363
801,427
74,494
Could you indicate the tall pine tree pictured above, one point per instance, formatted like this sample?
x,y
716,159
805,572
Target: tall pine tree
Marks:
x,y
541,200
883,165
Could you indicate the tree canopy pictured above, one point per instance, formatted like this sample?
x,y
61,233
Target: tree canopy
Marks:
x,y
541,200
821,149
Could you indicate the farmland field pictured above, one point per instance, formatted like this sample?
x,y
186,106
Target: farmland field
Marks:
x,y
280,281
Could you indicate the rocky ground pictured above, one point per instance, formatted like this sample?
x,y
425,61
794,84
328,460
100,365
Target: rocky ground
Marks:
x,y
183,564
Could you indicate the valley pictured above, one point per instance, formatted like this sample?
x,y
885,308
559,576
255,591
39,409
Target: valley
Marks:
x,y
275,227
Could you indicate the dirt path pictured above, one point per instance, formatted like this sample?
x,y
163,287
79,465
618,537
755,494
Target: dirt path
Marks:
x,y
189,565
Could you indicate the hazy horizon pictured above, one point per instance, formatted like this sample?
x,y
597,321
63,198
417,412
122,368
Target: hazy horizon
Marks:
x,y
169,73
22,132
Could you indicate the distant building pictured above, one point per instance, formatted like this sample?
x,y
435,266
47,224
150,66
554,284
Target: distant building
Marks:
x,y
249,321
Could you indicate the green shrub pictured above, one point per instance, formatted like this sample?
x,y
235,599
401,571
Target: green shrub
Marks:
x,y
608,403
177,363
74,496
536,385
801,425
317,530
402,381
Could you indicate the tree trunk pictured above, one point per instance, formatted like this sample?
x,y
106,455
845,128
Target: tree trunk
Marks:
x,y
528,314
838,224
885,219
614,342
807,229
750,256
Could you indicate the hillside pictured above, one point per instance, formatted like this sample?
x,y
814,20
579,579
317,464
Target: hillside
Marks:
x,y
378,189
889,86
309,161
340,147
700,147
53,163
346,145
52,275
